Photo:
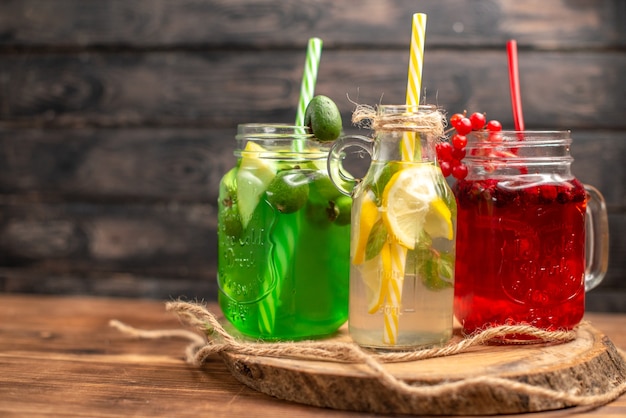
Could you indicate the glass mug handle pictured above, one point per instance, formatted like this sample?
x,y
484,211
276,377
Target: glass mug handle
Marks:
x,y
341,178
597,238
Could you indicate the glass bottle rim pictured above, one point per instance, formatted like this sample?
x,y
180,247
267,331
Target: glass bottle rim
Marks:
x,y
529,134
279,141
515,148
388,109
273,131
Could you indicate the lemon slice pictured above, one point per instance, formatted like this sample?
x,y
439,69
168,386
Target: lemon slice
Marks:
x,y
253,178
366,216
406,202
438,222
375,282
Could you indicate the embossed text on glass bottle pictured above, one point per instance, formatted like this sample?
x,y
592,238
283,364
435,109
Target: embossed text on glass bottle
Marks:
x,y
283,237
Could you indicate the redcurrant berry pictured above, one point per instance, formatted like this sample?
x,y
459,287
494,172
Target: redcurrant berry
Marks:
x,y
478,120
464,126
458,153
446,168
459,141
459,171
454,119
444,151
494,126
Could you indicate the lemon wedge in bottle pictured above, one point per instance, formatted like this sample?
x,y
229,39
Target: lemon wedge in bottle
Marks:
x,y
366,216
253,178
438,222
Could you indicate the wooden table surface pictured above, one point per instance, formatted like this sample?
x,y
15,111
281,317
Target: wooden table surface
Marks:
x,y
59,357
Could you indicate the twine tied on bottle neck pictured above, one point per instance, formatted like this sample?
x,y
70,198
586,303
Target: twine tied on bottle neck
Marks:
x,y
367,117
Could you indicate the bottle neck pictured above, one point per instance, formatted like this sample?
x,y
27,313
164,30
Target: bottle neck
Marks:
x,y
406,133
404,146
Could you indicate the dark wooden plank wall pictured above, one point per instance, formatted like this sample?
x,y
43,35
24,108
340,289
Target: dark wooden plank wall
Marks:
x,y
117,117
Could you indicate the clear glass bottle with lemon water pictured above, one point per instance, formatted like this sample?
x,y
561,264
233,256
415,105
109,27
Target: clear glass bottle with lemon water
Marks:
x,y
283,237
403,232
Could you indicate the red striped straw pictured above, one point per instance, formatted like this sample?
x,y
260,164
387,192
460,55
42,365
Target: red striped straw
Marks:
x,y
514,85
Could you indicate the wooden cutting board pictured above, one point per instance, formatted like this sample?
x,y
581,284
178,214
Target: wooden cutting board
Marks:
x,y
588,365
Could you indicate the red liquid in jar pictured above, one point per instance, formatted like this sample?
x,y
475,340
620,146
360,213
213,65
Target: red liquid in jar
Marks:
x,y
520,253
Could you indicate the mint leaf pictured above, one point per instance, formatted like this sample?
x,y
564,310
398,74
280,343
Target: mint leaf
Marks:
x,y
375,240
436,270
446,267
384,175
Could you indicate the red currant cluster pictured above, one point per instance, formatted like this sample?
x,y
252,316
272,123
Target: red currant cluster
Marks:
x,y
451,154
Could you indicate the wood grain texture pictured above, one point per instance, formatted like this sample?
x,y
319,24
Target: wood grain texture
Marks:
x,y
590,364
173,240
114,165
378,23
59,357
168,241
142,204
44,281
117,118
186,164
223,88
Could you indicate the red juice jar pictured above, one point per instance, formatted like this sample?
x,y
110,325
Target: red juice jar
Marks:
x,y
531,238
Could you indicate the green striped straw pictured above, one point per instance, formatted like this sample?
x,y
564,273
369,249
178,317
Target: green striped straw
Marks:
x,y
307,88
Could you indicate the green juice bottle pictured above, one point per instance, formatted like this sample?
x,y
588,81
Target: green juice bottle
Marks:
x,y
283,237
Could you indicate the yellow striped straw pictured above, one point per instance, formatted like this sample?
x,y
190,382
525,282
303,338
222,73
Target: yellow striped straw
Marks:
x,y
414,81
394,254
394,259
